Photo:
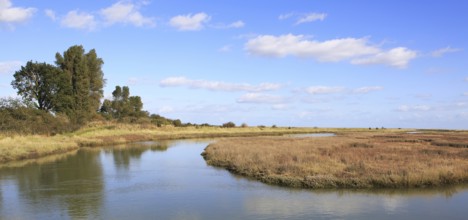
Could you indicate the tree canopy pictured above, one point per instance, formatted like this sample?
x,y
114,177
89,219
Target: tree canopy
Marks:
x,y
40,83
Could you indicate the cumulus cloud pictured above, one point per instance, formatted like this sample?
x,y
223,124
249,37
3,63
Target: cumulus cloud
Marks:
x,y
311,18
122,12
442,51
298,45
413,108
125,13
11,15
320,90
367,89
217,86
261,98
9,67
397,57
358,50
51,14
79,20
190,22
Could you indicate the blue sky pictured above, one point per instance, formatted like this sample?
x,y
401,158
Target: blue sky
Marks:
x,y
290,63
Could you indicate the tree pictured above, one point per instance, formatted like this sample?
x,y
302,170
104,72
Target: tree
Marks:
x,y
40,83
229,125
85,83
123,105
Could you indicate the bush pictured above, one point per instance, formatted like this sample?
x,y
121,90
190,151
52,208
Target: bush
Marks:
x,y
229,125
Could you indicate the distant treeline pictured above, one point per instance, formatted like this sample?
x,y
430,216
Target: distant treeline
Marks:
x,y
65,96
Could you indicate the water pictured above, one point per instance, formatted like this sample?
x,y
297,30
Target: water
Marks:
x,y
170,180
311,135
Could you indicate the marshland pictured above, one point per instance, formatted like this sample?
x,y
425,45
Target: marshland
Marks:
x,y
348,160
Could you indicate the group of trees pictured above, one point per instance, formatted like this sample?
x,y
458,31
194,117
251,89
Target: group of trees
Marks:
x,y
74,86
123,105
64,96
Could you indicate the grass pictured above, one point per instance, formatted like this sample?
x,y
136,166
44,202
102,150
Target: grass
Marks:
x,y
350,160
16,147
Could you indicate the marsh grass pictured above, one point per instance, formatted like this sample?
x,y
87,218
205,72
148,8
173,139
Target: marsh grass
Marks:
x,y
350,160
20,147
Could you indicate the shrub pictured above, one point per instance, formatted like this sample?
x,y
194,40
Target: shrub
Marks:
x,y
229,125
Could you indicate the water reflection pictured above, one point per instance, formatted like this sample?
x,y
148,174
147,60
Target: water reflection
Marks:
x,y
72,184
124,155
170,180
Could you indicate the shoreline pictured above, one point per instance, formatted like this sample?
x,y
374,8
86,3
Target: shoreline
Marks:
x,y
25,147
347,161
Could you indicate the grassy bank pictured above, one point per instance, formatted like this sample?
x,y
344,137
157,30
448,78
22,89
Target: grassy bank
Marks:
x,y
19,147
349,160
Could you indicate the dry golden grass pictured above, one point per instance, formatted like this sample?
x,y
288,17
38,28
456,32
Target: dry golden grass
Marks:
x,y
108,133
34,146
350,160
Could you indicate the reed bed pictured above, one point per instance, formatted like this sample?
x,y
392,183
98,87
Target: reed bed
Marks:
x,y
20,147
349,160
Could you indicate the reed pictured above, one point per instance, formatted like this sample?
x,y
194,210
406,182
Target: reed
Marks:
x,y
20,147
349,160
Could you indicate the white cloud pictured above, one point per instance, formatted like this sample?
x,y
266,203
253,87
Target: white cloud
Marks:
x,y
190,22
285,16
442,51
217,86
311,18
356,49
414,108
125,13
51,14
79,20
465,94
261,98
10,14
319,90
367,89
466,79
279,107
298,45
397,57
237,24
225,48
9,67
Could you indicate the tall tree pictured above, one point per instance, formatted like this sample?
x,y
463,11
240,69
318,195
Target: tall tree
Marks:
x,y
123,105
96,78
40,83
85,80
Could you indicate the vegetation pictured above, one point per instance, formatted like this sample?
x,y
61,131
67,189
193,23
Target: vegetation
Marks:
x,y
123,105
63,97
377,159
229,125
110,133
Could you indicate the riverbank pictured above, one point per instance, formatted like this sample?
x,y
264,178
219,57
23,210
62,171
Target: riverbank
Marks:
x,y
15,147
349,160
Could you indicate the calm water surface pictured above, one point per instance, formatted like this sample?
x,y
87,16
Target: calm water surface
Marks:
x,y
170,180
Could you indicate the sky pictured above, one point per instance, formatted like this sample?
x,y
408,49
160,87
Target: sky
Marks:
x,y
324,63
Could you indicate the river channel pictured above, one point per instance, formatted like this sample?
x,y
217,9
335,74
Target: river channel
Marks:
x,y
170,180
